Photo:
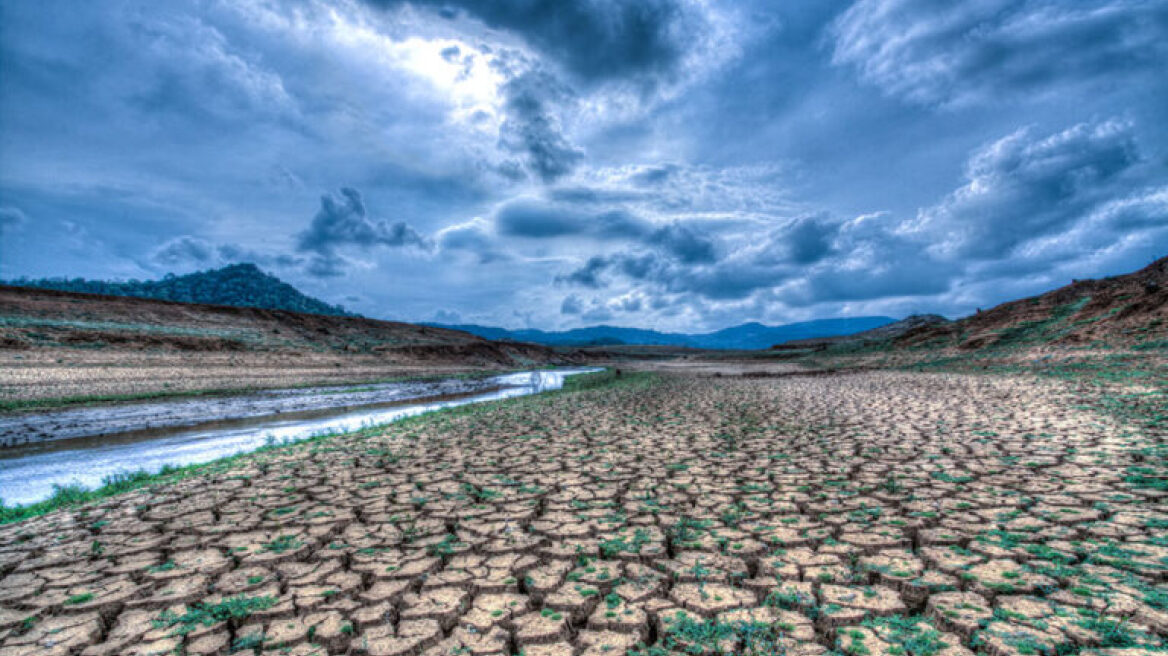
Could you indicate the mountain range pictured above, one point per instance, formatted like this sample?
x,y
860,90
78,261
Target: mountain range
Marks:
x,y
751,335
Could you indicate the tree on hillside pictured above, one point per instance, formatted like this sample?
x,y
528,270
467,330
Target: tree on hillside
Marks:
x,y
240,285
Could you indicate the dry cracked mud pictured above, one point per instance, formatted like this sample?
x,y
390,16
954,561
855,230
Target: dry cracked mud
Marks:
x,y
870,514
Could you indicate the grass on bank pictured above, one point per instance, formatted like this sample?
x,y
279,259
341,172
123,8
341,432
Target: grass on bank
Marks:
x,y
67,496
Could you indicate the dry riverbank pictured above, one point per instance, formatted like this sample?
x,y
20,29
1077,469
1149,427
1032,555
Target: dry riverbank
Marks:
x,y
873,512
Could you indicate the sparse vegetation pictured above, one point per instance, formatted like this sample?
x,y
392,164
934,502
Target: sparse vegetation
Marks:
x,y
737,516
939,503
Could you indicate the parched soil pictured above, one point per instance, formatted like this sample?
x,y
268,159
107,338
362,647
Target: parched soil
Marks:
x,y
874,513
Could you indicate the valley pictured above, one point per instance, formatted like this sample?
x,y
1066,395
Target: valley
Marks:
x,y
677,513
583,328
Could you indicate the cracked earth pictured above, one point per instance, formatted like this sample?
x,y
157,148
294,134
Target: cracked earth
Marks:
x,y
869,514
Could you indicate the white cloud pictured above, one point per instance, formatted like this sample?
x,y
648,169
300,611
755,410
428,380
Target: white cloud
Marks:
x,y
1024,186
978,51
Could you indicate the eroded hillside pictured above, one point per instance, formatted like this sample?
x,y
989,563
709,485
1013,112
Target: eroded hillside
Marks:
x,y
68,346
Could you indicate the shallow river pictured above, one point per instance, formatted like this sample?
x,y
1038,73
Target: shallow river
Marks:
x,y
28,472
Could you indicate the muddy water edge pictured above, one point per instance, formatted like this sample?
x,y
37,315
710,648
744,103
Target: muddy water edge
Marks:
x,y
86,450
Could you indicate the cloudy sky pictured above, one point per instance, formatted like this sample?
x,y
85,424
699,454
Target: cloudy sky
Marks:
x,y
677,164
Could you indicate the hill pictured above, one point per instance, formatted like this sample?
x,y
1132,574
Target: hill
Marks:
x,y
41,318
1126,311
747,336
239,285
877,335
63,348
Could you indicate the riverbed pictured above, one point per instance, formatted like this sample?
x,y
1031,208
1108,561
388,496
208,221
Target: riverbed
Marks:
x,y
179,432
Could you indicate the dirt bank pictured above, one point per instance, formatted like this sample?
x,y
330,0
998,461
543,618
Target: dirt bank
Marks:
x,y
35,427
62,349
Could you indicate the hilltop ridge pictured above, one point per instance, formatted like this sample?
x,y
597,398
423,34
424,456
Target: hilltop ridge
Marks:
x,y
1127,311
237,285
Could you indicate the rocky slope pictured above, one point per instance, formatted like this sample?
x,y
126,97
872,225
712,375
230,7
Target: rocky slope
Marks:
x,y
876,335
1121,311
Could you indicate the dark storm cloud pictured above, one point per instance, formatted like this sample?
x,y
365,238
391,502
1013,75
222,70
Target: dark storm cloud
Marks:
x,y
598,309
898,278
587,275
188,251
802,241
985,50
537,219
344,222
734,280
10,217
1030,203
808,240
684,243
682,259
702,163
236,253
594,40
185,250
529,218
571,305
638,266
532,129
326,266
652,176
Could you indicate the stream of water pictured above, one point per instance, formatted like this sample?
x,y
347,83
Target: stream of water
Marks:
x,y
29,472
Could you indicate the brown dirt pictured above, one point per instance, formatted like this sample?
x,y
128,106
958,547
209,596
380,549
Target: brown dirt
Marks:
x,y
60,344
1118,311
998,513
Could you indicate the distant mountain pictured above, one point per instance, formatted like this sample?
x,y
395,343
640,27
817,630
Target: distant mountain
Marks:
x,y
240,285
880,334
746,336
